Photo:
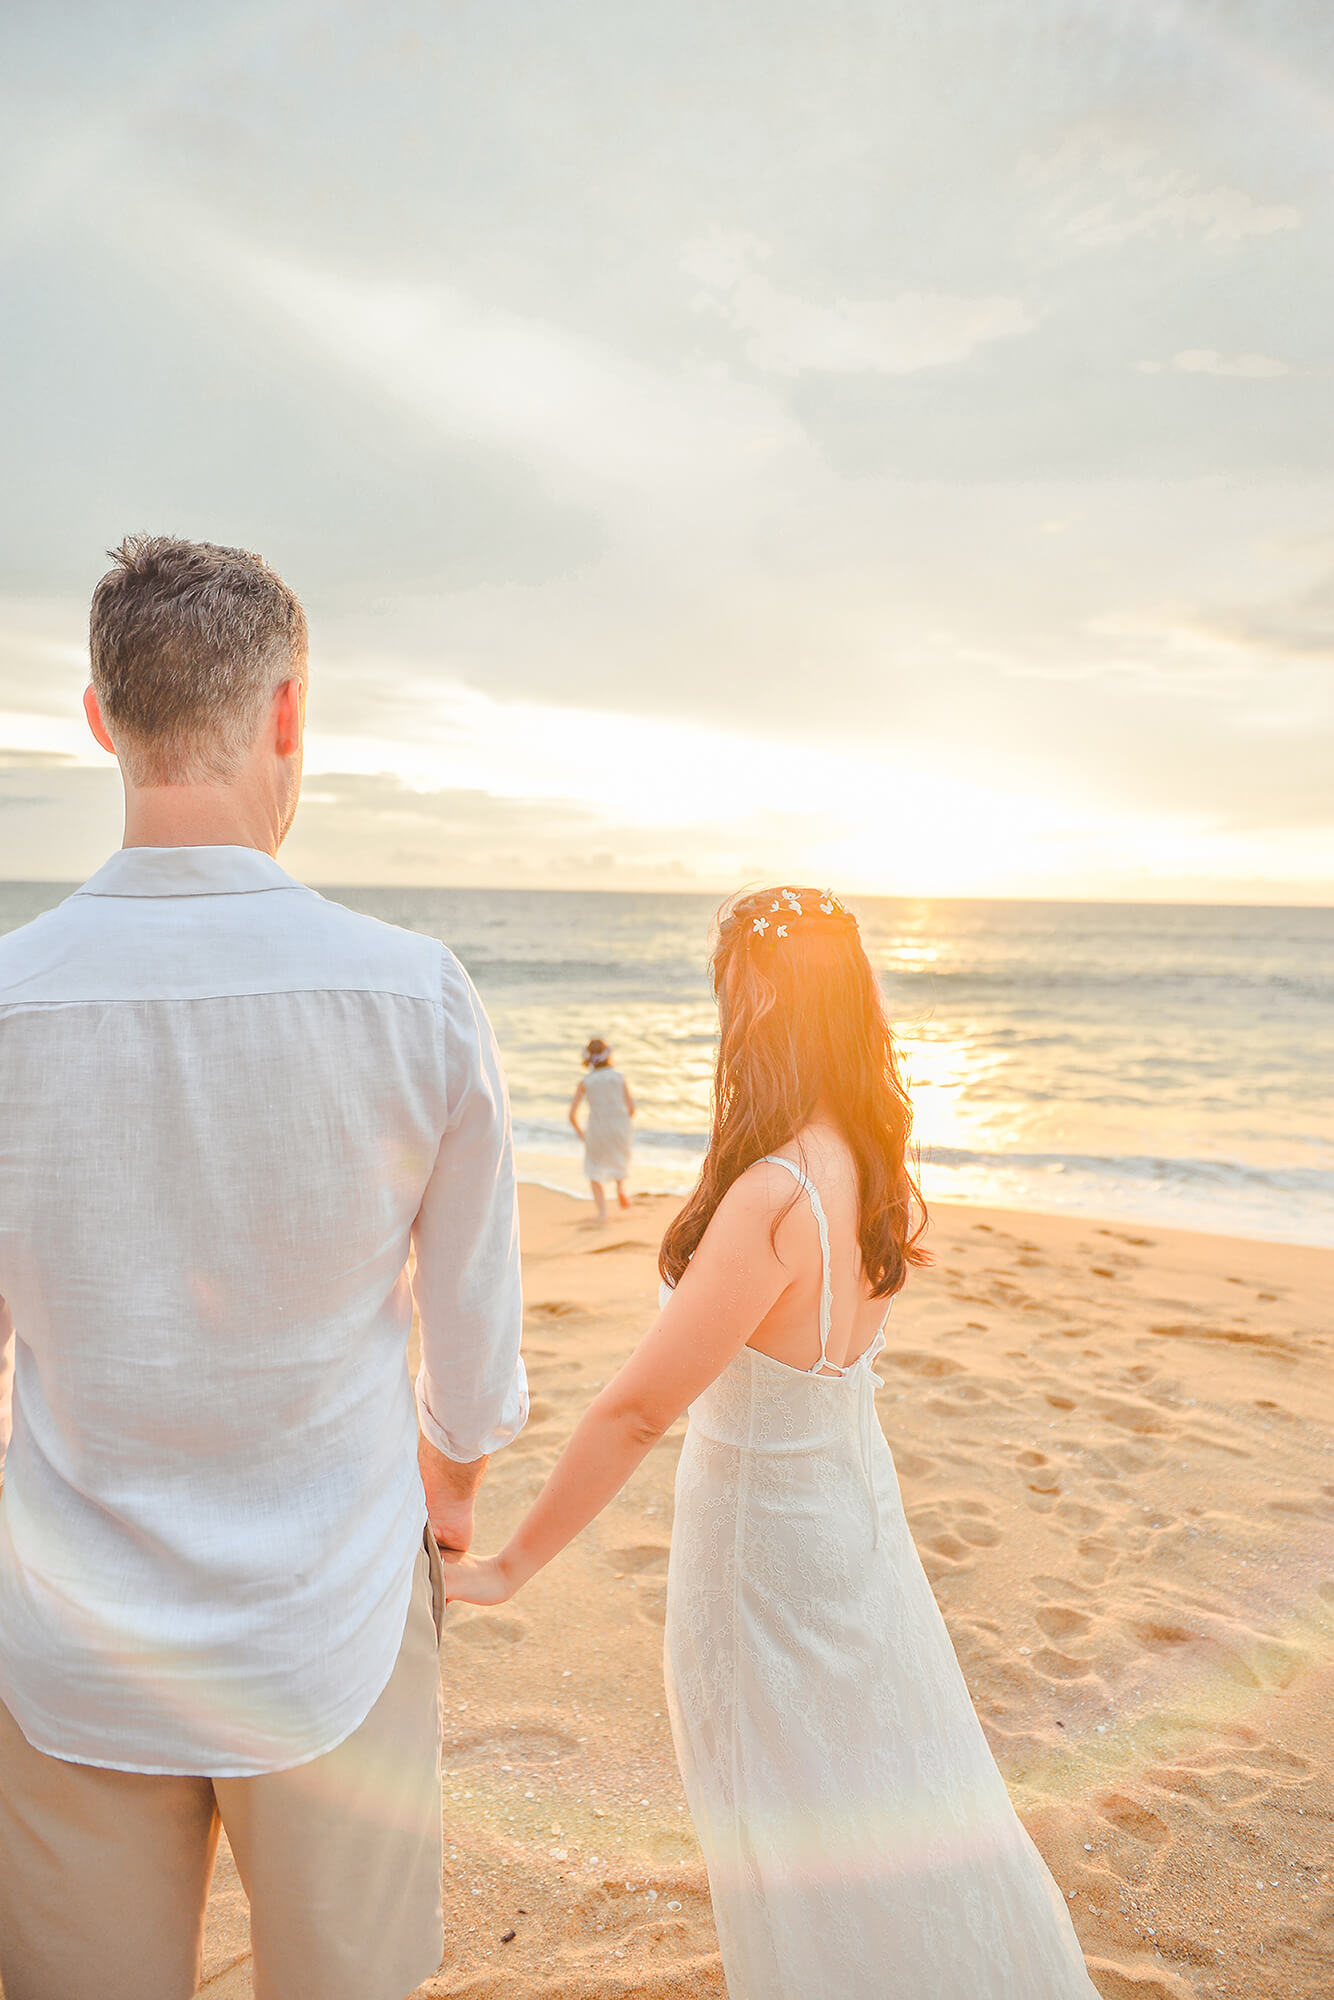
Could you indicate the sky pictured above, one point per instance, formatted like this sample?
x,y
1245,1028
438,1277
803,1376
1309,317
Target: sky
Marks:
x,y
872,444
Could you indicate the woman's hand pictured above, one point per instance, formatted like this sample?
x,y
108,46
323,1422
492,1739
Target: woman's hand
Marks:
x,y
477,1580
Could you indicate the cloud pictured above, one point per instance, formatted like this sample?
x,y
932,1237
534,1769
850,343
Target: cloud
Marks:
x,y
63,831
1109,195
1298,628
1207,361
417,326
585,416
791,335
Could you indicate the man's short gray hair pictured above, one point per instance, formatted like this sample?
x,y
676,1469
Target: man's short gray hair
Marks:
x,y
189,642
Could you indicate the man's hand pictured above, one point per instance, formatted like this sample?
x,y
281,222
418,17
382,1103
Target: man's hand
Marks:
x,y
451,1489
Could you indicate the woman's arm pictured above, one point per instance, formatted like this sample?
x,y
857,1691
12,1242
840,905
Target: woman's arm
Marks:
x,y
574,1106
629,1097
733,1281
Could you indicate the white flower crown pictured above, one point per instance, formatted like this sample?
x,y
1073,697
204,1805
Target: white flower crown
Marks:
x,y
788,903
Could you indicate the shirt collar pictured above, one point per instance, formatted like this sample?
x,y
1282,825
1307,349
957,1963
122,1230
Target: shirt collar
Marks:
x,y
187,871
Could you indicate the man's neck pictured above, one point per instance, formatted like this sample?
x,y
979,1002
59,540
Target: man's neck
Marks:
x,y
197,816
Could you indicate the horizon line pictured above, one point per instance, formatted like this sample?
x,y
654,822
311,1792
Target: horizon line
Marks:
x,y
701,893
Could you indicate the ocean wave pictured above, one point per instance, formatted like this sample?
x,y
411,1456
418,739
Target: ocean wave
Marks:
x,y
1224,984
1151,1170
1305,1184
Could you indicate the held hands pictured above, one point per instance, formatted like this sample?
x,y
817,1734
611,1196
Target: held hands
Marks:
x,y
478,1580
451,1489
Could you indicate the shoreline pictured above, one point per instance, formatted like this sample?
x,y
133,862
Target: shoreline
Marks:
x,y
1116,1452
953,1204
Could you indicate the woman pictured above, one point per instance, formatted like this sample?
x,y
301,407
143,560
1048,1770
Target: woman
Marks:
x,y
607,1139
859,1838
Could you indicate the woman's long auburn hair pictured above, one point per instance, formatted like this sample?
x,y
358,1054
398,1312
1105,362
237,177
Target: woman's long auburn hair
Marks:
x,y
801,1026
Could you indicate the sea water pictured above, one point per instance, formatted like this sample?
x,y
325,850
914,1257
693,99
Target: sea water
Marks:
x,y
1146,1063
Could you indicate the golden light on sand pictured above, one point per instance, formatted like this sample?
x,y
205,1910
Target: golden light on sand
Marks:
x,y
1124,1517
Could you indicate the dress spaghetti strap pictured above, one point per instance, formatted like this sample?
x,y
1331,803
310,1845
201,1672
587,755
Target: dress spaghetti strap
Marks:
x,y
826,1285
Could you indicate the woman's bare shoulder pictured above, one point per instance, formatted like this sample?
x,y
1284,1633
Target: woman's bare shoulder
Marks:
x,y
753,1200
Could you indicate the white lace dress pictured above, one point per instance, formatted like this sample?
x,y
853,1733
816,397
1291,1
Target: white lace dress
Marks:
x,y
859,1838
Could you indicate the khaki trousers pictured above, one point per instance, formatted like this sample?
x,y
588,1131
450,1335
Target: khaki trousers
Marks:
x,y
104,1874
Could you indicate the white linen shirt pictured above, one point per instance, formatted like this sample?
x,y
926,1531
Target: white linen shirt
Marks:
x,y
228,1109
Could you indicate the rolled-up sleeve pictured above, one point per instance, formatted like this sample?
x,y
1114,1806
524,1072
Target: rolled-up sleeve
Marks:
x,y
472,1392
6,1381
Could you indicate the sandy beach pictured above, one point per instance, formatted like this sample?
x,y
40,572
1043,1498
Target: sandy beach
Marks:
x,y
1116,1446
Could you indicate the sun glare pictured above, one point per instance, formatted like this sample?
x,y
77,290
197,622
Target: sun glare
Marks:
x,y
723,802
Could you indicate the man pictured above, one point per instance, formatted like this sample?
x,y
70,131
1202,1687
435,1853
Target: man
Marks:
x,y
228,1110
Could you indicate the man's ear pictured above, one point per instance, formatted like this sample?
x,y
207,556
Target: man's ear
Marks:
x,y
288,715
92,709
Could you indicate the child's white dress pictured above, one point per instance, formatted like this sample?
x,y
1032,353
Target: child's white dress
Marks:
x,y
607,1137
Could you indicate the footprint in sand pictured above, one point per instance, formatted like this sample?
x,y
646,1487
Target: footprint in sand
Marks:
x,y
1057,1666
1142,1980
1223,1789
486,1628
1131,1858
1161,1635
947,1547
1197,1434
613,1917
912,1464
1249,1659
930,1365
638,1556
520,1746
551,1362
1042,1478
1276,1665
1273,1343
938,1406
1063,1621
1130,1817
975,1523
949,1532
1282,1764
1100,1559
1140,1418
1309,1504
554,1309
